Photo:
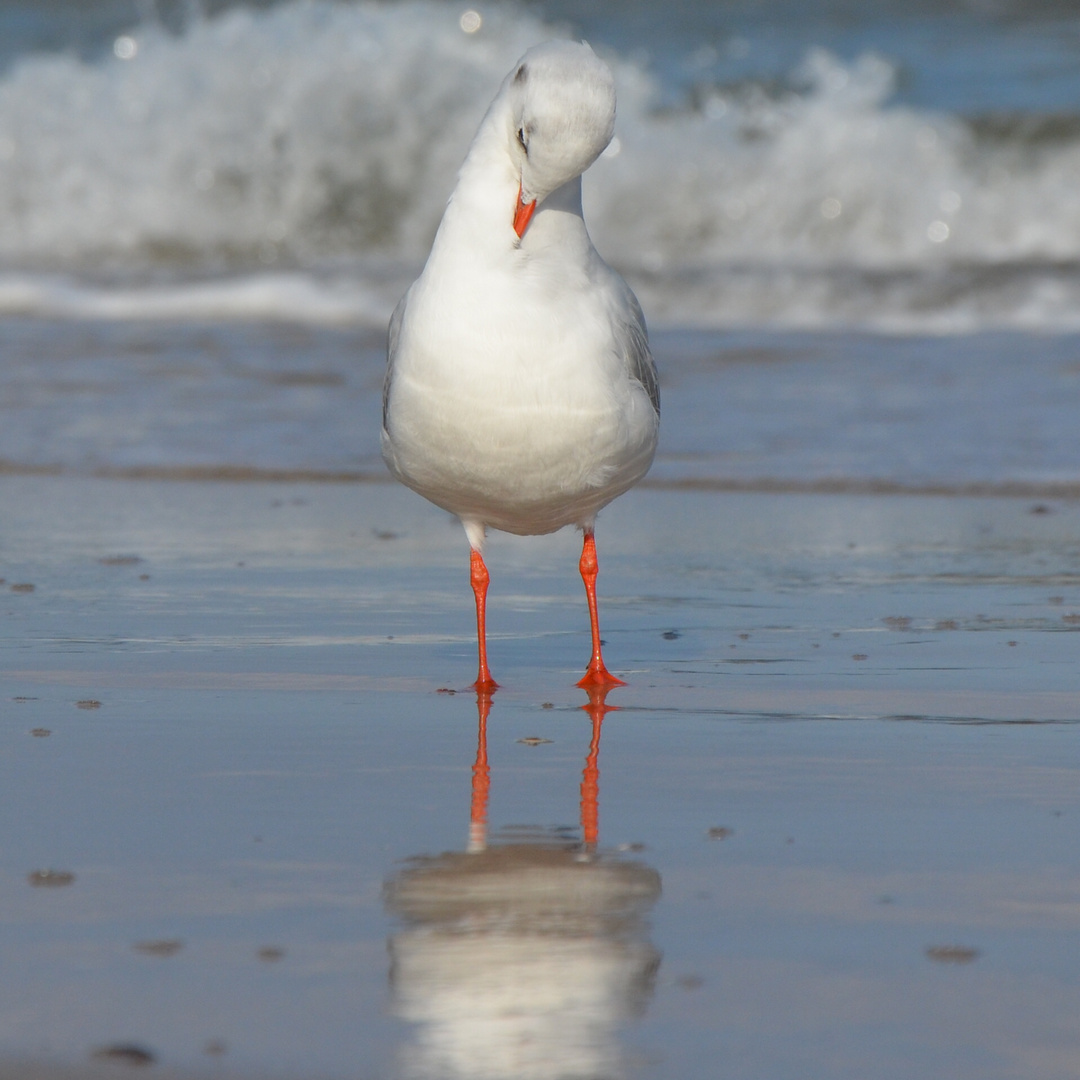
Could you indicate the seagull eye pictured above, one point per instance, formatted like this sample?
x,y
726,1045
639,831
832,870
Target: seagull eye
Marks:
x,y
521,140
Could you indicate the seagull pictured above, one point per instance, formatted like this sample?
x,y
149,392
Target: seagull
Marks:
x,y
520,392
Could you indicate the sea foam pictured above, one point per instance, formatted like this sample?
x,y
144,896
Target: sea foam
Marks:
x,y
316,143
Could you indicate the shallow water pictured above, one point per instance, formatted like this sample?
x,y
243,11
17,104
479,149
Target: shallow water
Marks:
x,y
760,410
835,808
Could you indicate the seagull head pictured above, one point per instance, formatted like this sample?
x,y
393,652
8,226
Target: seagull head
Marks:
x,y
562,114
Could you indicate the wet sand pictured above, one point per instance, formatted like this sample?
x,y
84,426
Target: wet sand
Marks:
x,y
829,829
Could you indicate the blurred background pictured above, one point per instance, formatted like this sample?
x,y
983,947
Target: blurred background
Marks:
x,y
901,165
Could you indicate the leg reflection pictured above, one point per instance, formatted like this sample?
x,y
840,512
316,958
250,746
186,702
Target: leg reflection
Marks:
x,y
481,777
517,957
597,708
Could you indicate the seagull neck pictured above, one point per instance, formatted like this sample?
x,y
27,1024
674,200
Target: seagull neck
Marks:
x,y
480,213
567,199
558,228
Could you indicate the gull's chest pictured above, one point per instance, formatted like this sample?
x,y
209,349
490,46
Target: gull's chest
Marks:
x,y
504,345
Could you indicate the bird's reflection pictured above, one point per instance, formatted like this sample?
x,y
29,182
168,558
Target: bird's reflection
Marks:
x,y
521,956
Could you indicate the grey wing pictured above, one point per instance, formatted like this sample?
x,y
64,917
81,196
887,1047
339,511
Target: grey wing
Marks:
x,y
634,344
393,333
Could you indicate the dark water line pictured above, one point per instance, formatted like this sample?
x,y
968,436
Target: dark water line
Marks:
x,y
838,485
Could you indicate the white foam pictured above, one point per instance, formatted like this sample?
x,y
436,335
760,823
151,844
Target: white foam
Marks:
x,y
271,145
302,132
832,175
293,297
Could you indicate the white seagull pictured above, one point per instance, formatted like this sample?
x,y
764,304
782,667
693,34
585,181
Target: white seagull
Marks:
x,y
520,392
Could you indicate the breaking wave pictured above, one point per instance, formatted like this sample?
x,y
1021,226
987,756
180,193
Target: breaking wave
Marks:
x,y
315,143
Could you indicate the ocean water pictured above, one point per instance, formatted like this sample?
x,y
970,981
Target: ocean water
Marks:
x,y
907,167
853,228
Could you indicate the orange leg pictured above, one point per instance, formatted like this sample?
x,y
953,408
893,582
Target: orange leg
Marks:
x,y
480,579
596,674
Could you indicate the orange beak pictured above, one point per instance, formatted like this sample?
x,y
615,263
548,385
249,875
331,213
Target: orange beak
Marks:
x,y
523,214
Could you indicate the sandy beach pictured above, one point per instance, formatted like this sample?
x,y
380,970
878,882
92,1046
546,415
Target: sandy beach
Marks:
x,y
256,825
234,715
